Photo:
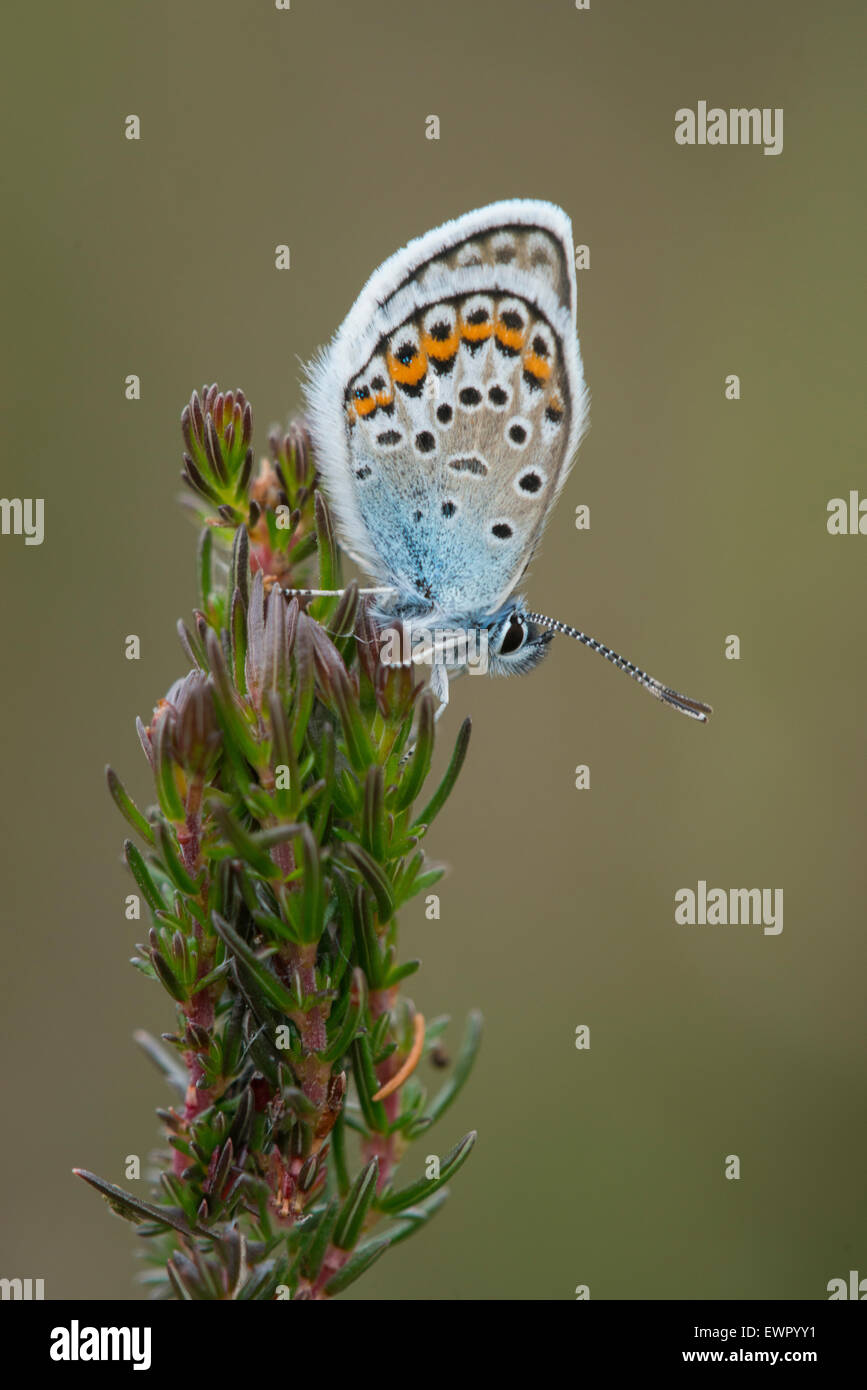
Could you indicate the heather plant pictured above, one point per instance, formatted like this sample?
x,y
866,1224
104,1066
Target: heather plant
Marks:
x,y
290,767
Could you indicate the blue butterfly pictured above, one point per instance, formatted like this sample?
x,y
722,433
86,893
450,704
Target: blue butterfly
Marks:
x,y
445,415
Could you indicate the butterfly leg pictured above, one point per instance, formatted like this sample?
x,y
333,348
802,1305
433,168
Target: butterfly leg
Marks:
x,y
331,593
439,684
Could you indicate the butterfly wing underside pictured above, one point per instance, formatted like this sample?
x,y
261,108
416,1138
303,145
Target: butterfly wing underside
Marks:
x,y
447,411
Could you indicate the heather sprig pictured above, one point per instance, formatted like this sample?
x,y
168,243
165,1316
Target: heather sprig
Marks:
x,y
289,766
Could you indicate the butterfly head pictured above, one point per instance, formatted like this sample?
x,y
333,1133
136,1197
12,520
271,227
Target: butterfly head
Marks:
x,y
515,644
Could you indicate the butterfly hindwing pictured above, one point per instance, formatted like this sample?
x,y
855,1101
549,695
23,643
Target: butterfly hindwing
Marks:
x,y
457,429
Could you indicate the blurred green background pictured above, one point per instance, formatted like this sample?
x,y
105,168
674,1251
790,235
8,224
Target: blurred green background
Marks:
x,y
603,1167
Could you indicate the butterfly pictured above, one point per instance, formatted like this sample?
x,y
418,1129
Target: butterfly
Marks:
x,y
445,416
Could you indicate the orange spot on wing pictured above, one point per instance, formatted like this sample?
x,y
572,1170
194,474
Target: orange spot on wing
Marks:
x,y
365,405
476,332
537,366
441,349
510,337
408,373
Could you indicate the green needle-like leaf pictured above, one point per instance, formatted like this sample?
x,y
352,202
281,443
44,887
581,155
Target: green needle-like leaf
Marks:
x,y
244,845
133,1208
351,1019
267,982
419,764
312,1261
166,769
373,820
329,571
206,556
127,807
357,1264
394,1202
142,876
463,1066
167,846
444,790
169,1064
305,672
359,748
367,1085
355,1208
239,570
238,634
413,1218
375,878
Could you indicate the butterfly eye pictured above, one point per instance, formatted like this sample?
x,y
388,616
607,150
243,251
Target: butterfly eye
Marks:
x,y
514,637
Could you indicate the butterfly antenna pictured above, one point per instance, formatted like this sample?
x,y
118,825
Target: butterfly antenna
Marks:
x,y
694,708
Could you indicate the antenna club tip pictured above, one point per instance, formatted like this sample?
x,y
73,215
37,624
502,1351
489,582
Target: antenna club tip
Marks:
x,y
695,709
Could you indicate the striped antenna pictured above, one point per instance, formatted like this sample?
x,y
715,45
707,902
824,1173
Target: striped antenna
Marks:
x,y
694,708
